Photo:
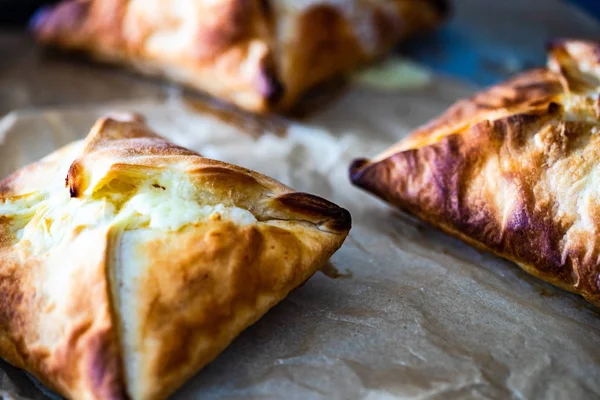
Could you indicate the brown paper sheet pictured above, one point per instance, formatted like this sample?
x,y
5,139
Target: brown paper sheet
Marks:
x,y
414,314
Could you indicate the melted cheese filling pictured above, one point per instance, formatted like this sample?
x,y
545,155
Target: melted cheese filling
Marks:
x,y
394,74
167,203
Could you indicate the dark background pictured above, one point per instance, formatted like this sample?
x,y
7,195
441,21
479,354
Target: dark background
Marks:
x,y
15,12
483,42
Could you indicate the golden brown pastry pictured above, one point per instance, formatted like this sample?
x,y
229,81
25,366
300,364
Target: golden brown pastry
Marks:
x,y
259,55
514,170
127,277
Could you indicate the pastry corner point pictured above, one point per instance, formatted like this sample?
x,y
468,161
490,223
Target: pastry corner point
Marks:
x,y
324,214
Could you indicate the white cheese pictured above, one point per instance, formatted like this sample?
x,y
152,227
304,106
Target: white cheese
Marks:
x,y
168,203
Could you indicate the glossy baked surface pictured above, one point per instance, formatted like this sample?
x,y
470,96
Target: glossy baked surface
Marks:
x,y
127,263
514,170
259,55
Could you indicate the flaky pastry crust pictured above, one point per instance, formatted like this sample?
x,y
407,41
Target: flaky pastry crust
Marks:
x,y
259,55
514,170
128,263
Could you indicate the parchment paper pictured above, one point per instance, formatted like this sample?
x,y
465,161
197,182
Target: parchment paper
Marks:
x,y
413,314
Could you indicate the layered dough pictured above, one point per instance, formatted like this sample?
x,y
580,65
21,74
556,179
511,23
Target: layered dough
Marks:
x,y
128,263
259,55
514,170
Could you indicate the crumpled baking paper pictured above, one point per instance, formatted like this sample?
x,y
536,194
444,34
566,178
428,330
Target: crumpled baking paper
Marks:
x,y
412,312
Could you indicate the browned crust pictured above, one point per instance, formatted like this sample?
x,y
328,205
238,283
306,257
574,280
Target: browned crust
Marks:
x,y
235,276
226,53
259,55
221,277
327,41
323,213
84,361
506,171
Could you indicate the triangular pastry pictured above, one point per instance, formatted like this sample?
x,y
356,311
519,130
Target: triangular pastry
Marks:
x,y
127,263
514,170
260,55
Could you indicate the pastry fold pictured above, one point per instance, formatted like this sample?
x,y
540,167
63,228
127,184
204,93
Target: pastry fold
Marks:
x,y
259,55
514,170
128,263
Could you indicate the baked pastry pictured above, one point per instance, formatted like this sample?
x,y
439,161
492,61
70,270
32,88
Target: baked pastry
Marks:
x,y
259,55
513,170
126,278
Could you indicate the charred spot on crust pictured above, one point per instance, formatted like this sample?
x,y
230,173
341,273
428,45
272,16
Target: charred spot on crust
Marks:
x,y
73,192
269,86
553,108
74,180
356,168
330,215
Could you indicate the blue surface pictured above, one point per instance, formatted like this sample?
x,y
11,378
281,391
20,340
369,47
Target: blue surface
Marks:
x,y
590,6
487,41
454,52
